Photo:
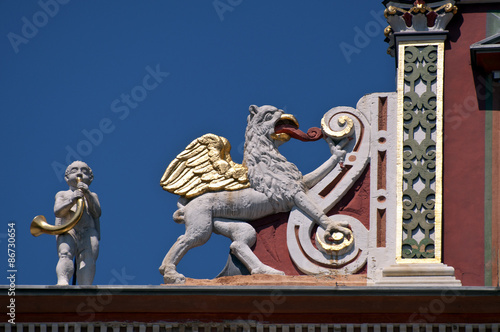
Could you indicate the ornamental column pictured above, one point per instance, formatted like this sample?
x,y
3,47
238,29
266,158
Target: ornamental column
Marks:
x,y
416,35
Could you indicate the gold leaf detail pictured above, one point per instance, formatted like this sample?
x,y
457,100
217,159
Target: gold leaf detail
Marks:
x,y
205,165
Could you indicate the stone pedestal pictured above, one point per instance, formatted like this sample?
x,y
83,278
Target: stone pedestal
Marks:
x,y
412,275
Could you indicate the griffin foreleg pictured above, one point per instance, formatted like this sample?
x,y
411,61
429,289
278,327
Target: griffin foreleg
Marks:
x,y
311,179
243,236
307,206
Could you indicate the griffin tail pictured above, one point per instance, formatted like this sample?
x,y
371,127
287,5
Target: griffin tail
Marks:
x,y
179,214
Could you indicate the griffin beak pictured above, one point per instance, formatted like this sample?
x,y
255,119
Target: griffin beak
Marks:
x,y
285,120
288,119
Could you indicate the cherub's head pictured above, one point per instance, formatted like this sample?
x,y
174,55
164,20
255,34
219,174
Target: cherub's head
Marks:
x,y
78,169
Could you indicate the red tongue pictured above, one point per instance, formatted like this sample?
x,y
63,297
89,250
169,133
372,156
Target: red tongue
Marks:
x,y
313,134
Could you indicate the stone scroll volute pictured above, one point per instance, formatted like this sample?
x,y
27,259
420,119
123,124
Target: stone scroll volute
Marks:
x,y
310,252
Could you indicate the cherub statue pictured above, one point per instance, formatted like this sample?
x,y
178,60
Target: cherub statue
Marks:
x,y
219,196
82,241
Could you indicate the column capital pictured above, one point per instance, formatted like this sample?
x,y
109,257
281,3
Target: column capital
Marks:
x,y
419,18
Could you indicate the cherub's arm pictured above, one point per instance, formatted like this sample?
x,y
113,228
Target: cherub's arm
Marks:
x,y
97,223
64,201
311,179
93,205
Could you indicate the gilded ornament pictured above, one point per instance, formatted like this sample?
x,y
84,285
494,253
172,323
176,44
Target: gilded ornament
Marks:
x,y
449,7
420,7
391,10
387,31
335,244
205,165
344,122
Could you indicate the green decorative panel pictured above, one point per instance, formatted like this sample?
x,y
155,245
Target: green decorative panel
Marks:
x,y
419,151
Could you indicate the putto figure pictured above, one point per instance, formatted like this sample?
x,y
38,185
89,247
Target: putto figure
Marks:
x,y
82,241
218,195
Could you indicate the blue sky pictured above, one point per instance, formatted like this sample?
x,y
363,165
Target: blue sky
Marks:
x,y
126,85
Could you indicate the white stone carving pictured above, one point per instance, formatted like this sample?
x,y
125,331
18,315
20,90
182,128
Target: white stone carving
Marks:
x,y
314,259
276,185
82,241
382,199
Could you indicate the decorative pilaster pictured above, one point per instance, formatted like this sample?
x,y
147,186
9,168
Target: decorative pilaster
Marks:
x,y
419,148
417,33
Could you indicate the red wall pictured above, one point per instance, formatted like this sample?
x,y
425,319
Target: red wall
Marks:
x,y
464,152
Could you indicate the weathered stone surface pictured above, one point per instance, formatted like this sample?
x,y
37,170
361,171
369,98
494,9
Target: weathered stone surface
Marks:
x,y
271,280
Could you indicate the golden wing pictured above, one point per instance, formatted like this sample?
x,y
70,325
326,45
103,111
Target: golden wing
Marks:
x,y
205,165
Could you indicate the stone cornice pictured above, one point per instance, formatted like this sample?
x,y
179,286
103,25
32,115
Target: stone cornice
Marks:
x,y
272,304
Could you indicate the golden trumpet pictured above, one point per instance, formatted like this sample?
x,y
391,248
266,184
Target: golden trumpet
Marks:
x,y
40,226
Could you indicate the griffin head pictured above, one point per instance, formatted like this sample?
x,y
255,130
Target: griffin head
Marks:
x,y
279,126
269,119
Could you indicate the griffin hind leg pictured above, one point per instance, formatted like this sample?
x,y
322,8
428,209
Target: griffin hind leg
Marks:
x,y
168,267
243,236
198,230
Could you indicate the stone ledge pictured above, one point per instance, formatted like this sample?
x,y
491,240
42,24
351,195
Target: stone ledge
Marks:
x,y
275,280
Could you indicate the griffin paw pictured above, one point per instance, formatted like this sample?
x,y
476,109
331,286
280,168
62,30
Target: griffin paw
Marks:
x,y
173,278
267,270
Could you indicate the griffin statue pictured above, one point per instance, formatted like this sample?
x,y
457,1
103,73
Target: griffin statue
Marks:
x,y
220,196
